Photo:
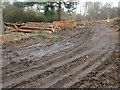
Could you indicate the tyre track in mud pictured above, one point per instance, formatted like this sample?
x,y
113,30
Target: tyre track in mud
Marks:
x,y
96,75
69,81
56,61
61,74
66,70
65,56
52,68
44,59
62,57
19,53
87,70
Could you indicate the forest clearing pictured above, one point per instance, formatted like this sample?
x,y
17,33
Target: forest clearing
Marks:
x,y
60,51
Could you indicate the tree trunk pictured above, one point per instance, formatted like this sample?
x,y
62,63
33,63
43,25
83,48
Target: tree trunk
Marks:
x,y
1,29
59,10
119,9
1,19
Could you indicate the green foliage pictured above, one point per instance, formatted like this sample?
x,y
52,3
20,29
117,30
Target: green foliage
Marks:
x,y
70,6
19,37
16,33
35,32
82,26
40,17
19,4
22,34
44,35
29,16
13,14
24,11
40,29
62,37
54,37
36,38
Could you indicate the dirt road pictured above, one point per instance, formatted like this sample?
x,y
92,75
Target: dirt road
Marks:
x,y
84,60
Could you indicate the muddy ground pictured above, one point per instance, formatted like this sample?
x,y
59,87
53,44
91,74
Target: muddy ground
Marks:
x,y
84,58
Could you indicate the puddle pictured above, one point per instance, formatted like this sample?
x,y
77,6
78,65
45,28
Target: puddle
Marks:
x,y
40,53
53,49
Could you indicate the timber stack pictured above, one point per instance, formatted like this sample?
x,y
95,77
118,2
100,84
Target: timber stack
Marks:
x,y
30,27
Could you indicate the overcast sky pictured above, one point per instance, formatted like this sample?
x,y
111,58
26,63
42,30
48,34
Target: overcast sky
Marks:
x,y
82,2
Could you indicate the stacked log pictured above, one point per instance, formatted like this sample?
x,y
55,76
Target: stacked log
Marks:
x,y
40,27
36,27
12,27
65,24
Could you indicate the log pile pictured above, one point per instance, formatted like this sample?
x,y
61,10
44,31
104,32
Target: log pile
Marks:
x,y
39,27
31,27
12,27
65,24
115,24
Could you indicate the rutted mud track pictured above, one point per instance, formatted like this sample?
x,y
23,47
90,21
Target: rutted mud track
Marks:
x,y
64,64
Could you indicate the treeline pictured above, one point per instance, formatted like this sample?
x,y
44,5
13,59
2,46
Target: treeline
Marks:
x,y
36,11
16,14
49,11
98,11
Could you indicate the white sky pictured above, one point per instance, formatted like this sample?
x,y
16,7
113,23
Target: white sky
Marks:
x,y
82,2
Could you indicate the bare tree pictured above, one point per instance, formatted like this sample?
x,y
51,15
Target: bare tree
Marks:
x,y
89,9
98,11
